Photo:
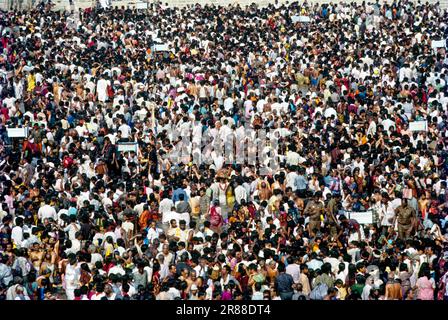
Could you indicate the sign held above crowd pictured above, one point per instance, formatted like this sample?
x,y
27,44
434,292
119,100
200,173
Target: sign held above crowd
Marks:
x,y
435,44
302,19
418,126
127,146
361,217
17,132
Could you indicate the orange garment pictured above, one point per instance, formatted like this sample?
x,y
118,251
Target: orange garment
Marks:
x,y
143,220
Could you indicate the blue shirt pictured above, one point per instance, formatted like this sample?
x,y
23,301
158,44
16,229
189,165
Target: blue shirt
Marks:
x,y
70,119
72,211
327,180
178,192
300,183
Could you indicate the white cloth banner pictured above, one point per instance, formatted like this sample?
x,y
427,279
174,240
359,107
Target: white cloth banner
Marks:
x,y
300,19
362,217
17,132
418,126
438,44
127,146
160,47
141,5
104,3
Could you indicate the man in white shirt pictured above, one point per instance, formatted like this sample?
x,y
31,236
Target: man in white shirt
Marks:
x,y
240,194
293,269
185,216
168,216
166,205
290,180
153,232
387,124
183,232
228,104
72,228
333,260
101,89
128,227
17,232
46,212
225,132
175,293
260,105
118,269
292,158
76,243
125,130
359,163
396,202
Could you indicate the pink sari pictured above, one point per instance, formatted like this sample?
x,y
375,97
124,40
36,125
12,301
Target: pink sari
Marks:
x,y
425,289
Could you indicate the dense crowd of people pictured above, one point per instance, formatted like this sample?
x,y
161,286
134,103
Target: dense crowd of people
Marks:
x,y
94,206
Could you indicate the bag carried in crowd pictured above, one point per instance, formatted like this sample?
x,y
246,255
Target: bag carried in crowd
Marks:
x,y
110,91
319,292
215,217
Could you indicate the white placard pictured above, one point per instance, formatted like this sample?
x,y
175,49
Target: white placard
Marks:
x,y
305,19
141,5
362,217
17,132
104,4
160,47
438,44
418,126
127,146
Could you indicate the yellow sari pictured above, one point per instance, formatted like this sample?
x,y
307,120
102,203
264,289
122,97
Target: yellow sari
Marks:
x,y
31,79
230,197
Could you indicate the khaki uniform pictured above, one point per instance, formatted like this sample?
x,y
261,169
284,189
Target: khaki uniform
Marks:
x,y
331,210
314,210
405,218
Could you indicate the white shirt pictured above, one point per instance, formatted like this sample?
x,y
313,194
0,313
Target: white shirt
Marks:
x,y
165,206
111,234
290,180
292,158
76,246
174,293
98,296
97,237
117,270
334,264
125,130
72,273
47,211
17,235
240,194
128,226
95,258
330,112
387,124
167,216
101,89
396,203
228,104
184,216
153,234
72,228
294,270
